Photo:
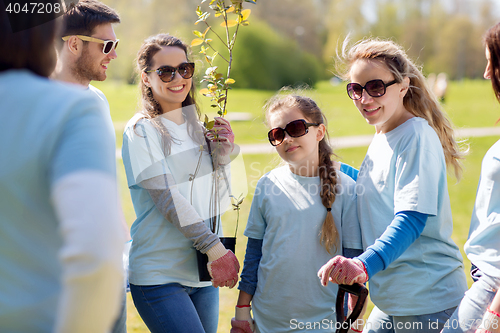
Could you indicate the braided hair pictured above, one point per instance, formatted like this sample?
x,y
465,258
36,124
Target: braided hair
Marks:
x,y
329,235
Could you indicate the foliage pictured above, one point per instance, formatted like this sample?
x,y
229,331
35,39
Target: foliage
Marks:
x,y
442,38
267,60
232,16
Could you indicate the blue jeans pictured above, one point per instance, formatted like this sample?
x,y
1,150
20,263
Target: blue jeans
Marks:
x,y
470,311
379,322
175,308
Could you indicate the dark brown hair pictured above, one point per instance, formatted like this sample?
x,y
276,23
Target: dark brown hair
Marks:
x,y
492,42
81,18
151,109
329,236
32,48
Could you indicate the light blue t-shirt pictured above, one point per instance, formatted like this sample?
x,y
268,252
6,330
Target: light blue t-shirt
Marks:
x,y
405,170
48,130
483,245
96,93
287,214
160,253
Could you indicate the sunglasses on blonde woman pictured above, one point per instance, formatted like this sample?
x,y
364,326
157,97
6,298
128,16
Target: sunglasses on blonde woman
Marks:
x,y
295,129
167,73
374,88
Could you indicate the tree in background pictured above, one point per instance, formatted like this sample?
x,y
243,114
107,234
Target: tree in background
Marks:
x,y
442,35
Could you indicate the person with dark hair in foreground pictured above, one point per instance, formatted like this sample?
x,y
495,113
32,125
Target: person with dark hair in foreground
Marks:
x,y
61,241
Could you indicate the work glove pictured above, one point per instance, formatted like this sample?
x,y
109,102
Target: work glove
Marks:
x,y
223,266
490,323
341,270
242,321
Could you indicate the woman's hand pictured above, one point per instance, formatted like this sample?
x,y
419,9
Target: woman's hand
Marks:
x,y
221,137
223,266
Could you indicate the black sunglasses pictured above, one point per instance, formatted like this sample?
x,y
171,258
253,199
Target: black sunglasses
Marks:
x,y
374,88
167,73
295,129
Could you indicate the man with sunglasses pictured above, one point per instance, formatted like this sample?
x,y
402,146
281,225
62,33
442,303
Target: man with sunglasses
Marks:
x,y
87,46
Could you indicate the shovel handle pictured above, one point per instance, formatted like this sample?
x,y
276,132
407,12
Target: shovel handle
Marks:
x,y
358,290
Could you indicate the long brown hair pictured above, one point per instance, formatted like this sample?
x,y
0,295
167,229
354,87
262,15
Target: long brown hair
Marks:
x,y
151,109
329,236
419,100
492,42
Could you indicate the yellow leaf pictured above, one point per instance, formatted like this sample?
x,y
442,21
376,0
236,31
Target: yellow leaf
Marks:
x,y
229,81
204,91
205,32
245,14
196,42
230,9
230,23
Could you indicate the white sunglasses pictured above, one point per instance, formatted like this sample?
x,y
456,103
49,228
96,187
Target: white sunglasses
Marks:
x,y
108,45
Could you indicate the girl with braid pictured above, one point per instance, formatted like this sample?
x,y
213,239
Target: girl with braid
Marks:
x,y
415,270
302,214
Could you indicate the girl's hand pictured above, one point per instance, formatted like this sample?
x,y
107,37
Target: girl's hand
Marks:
x,y
223,266
341,270
242,321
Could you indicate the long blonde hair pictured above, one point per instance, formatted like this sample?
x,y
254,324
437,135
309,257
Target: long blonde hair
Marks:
x,y
329,236
419,100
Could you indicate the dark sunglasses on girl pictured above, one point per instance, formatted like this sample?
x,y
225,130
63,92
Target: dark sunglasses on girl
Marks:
x,y
374,88
167,73
295,129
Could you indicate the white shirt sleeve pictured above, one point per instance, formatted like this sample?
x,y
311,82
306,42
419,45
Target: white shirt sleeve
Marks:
x,y
91,256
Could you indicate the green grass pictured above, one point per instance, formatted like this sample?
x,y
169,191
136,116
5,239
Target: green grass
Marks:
x,y
469,103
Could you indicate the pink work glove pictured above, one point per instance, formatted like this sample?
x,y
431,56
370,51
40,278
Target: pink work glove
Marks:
x,y
240,326
221,136
341,270
242,321
490,322
223,266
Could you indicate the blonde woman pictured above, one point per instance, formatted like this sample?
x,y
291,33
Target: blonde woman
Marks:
x,y
415,270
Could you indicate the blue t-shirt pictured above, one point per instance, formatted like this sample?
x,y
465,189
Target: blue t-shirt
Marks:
x,y
160,253
287,214
483,245
405,170
49,130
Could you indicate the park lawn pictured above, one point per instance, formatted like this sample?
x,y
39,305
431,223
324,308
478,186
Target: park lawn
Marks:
x,y
469,104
